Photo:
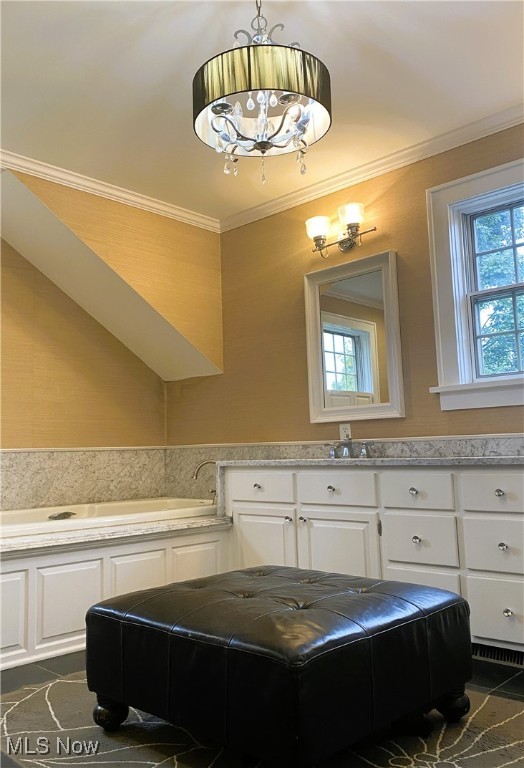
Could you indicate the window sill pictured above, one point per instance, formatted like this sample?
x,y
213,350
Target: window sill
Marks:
x,y
481,394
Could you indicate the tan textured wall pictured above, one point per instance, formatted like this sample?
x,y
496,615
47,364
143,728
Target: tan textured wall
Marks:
x,y
66,381
173,266
263,394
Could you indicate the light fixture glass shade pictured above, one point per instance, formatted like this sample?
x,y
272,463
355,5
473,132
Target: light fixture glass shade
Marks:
x,y
318,226
291,86
351,213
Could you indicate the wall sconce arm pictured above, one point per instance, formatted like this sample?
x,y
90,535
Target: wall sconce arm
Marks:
x,y
345,244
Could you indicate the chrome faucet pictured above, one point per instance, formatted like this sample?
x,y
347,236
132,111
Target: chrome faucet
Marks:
x,y
199,467
341,450
364,451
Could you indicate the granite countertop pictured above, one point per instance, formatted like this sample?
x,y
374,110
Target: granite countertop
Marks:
x,y
465,461
89,537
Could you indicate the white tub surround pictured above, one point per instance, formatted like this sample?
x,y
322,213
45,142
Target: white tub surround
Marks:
x,y
453,523
50,576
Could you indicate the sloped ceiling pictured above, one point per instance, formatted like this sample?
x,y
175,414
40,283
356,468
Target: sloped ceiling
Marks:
x,y
103,89
38,235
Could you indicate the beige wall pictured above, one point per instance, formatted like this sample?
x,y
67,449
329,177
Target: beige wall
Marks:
x,y
263,394
66,381
175,267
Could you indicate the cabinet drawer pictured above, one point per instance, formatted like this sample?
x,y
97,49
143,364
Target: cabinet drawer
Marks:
x,y
492,492
346,487
494,544
418,490
425,539
262,486
440,579
497,608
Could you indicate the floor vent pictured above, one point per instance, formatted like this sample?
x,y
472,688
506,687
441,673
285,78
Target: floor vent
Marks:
x,y
502,655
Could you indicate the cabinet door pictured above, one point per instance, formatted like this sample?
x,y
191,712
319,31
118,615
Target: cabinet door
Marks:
x,y
350,488
265,536
497,608
417,490
431,577
260,485
64,593
426,539
492,492
342,542
137,570
13,602
494,543
197,557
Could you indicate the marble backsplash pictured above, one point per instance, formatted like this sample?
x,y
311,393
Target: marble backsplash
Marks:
x,y
38,478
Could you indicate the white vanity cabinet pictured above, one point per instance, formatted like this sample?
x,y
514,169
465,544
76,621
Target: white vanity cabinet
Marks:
x,y
317,520
420,541
493,523
456,525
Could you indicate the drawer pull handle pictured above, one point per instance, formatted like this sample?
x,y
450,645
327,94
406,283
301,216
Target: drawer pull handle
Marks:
x,y
257,486
499,492
302,519
413,491
507,612
416,540
288,519
503,546
331,488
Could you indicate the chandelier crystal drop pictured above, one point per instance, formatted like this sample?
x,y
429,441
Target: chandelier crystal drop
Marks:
x,y
261,99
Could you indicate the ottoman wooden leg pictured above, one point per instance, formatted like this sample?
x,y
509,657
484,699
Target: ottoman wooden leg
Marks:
x,y
109,714
455,705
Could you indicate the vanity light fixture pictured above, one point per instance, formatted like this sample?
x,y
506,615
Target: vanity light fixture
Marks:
x,y
350,216
261,99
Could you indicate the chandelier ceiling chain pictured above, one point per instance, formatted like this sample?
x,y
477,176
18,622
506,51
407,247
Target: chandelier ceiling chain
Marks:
x,y
290,87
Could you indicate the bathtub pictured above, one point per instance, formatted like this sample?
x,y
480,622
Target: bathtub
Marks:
x,y
28,522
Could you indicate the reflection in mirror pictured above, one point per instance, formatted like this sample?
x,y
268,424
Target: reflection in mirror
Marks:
x,y
353,340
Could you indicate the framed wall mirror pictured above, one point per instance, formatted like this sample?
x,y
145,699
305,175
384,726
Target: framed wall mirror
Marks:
x,y
353,341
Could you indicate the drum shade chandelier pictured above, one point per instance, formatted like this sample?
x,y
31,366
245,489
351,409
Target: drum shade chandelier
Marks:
x,y
261,99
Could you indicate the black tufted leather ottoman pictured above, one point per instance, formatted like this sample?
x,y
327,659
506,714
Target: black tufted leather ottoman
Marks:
x,y
280,660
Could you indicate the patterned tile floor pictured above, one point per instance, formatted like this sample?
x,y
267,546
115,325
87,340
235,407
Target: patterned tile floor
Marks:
x,y
498,679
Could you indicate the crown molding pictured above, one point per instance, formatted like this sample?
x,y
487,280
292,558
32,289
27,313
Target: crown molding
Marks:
x,y
456,138
15,162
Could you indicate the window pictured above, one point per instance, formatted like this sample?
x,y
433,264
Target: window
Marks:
x,y
476,229
350,362
340,360
497,296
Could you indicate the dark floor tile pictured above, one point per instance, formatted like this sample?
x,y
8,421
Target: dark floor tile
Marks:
x,y
65,665
7,762
507,695
514,684
30,674
489,674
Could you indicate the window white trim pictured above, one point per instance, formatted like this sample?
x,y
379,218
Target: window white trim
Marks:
x,y
446,206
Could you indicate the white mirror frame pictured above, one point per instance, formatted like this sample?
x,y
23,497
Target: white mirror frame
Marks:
x,y
386,263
